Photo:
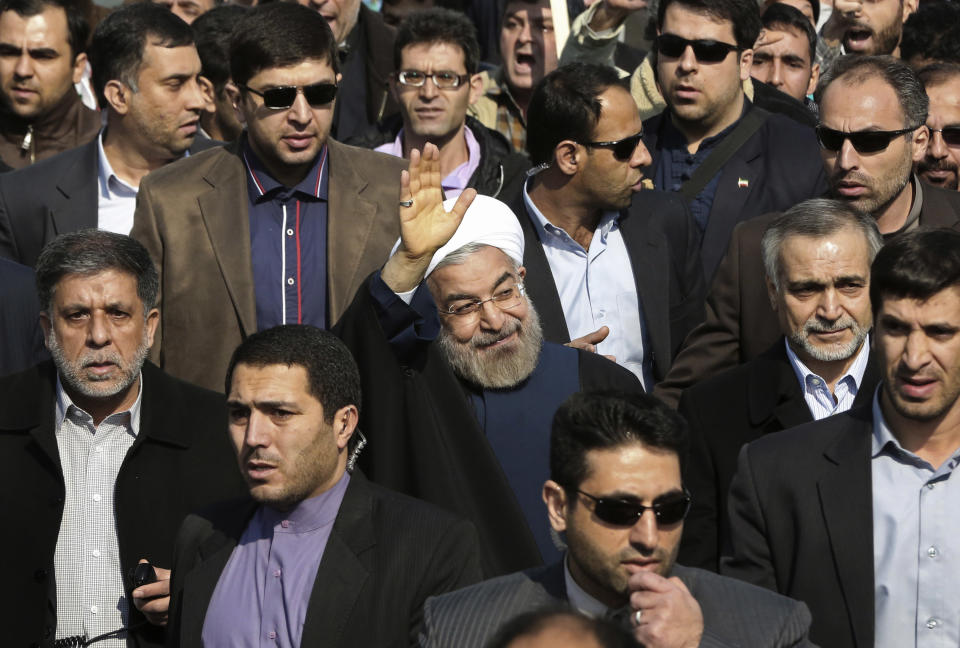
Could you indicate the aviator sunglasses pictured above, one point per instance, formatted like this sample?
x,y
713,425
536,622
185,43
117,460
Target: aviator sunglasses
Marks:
x,y
706,50
318,94
862,141
950,135
624,512
622,148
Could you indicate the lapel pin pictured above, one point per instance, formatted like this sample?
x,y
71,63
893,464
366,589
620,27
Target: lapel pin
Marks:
x,y
742,183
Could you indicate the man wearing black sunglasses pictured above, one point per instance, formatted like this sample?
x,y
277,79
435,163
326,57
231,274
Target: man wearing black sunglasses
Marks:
x,y
939,166
730,160
616,494
282,225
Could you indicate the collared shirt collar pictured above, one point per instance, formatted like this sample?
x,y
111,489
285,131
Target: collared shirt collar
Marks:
x,y
578,598
110,182
854,373
131,416
312,513
607,222
263,185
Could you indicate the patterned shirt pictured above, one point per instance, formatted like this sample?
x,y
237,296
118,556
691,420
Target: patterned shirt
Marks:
x,y
90,590
821,402
509,120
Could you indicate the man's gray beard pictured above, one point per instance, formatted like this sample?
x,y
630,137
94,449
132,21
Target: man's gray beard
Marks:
x,y
496,368
800,339
73,376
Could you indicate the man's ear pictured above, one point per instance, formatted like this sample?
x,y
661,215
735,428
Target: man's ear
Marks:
x,y
79,65
909,7
920,139
746,62
556,500
476,88
814,78
344,424
772,295
567,157
233,93
206,87
45,326
118,95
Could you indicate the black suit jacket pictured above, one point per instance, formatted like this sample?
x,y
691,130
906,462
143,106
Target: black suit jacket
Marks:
x,y
386,554
801,519
181,460
740,324
756,398
58,195
780,164
21,340
661,240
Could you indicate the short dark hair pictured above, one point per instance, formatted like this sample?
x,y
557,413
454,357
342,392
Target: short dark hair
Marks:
x,y
334,379
608,419
744,15
92,251
279,34
438,26
938,74
779,16
932,32
564,105
119,41
857,68
213,31
78,29
915,265
607,633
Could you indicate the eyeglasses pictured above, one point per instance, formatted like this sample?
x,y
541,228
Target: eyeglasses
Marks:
x,y
706,50
950,135
863,141
504,299
624,512
444,80
317,94
622,148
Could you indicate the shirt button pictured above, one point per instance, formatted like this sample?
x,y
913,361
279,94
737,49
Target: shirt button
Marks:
x,y
932,623
96,497
290,281
95,553
271,635
289,232
285,524
930,486
94,609
815,381
932,552
601,314
276,573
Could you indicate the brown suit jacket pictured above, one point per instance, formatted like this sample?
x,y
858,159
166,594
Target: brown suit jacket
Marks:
x,y
740,323
192,216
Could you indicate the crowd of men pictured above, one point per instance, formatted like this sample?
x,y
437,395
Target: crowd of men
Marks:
x,y
338,324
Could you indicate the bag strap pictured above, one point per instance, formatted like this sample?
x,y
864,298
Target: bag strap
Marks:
x,y
719,156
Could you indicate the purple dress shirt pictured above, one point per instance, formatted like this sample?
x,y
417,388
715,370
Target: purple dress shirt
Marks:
x,y
262,596
458,179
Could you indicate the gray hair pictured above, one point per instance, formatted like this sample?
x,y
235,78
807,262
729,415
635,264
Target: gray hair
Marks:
x,y
816,218
906,84
459,256
89,252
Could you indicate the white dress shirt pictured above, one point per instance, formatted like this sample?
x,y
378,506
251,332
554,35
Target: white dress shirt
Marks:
x,y
117,200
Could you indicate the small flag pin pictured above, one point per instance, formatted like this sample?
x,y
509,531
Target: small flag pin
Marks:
x,y
743,183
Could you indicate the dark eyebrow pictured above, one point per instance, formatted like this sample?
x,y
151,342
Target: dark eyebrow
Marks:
x,y
850,279
182,78
793,58
805,285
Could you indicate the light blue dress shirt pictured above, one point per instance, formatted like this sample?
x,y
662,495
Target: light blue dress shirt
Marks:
x,y
116,200
816,392
597,288
916,545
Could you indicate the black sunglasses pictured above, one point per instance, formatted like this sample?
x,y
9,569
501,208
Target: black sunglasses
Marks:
x,y
622,148
950,135
863,141
623,512
706,50
318,94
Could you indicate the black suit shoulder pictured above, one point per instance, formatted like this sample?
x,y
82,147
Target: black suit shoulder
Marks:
x,y
810,440
21,339
598,372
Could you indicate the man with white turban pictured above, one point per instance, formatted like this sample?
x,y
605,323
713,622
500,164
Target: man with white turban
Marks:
x,y
461,388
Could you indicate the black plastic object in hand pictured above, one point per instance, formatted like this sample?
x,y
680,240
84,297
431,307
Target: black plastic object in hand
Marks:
x,y
143,574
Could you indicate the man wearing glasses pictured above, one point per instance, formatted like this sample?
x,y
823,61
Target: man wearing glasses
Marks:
x,y
615,491
939,166
461,385
872,132
280,227
615,269
436,80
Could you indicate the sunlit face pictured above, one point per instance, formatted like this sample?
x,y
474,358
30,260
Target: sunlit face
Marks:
x,y
286,450
37,68
919,346
341,15
602,556
498,346
610,183
187,10
429,112
940,163
824,298
288,140
99,335
701,93
165,108
528,46
868,181
876,26
783,61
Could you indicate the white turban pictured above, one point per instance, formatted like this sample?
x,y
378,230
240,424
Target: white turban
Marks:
x,y
487,221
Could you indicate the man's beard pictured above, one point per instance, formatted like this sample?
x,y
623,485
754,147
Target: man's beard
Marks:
x,y
883,191
74,377
885,39
800,339
496,368
944,164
